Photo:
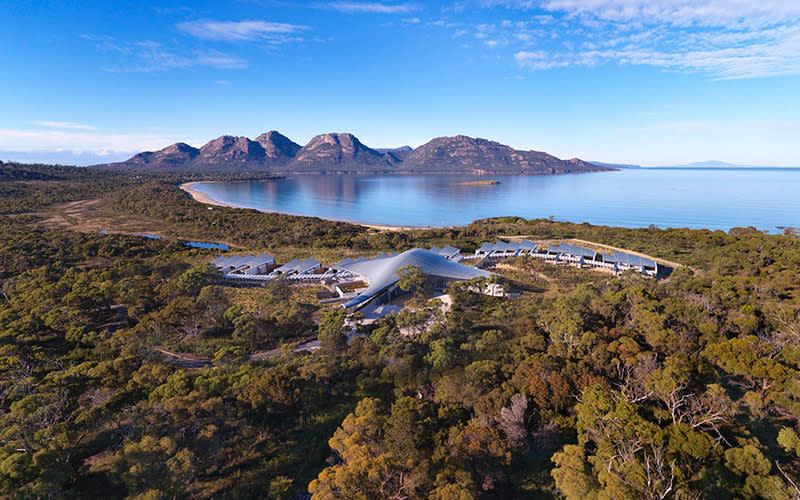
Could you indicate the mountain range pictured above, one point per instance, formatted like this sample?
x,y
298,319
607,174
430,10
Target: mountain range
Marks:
x,y
273,152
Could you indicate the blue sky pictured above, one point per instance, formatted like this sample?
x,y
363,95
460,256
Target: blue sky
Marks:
x,y
650,82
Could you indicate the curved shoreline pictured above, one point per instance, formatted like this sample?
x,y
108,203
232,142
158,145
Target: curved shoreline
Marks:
x,y
200,196
205,198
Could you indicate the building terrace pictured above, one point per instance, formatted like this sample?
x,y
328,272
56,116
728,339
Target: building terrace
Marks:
x,y
245,265
381,274
442,265
566,253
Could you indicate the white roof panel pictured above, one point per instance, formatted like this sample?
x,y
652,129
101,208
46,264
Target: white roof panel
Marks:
x,y
382,273
448,250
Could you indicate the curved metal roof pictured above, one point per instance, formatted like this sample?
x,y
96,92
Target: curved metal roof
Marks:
x,y
239,261
507,246
572,250
298,266
632,260
382,273
446,251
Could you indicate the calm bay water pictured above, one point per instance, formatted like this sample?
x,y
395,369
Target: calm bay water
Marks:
x,y
694,198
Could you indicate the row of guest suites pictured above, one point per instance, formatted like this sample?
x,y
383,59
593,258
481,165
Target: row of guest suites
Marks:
x,y
263,267
563,252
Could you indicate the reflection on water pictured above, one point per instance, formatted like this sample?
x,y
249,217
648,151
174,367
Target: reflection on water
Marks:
x,y
696,198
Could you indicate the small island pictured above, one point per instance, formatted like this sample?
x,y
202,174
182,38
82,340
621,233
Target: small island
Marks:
x,y
480,183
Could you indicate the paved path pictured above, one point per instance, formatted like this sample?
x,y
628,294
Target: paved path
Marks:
x,y
187,360
311,345
119,316
183,360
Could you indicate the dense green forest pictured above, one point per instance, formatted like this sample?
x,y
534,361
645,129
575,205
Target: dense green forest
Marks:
x,y
586,386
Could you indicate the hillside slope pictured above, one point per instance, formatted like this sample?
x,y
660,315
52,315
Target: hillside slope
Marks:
x,y
275,153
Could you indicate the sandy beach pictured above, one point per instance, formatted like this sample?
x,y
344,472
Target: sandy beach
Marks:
x,y
386,228
201,197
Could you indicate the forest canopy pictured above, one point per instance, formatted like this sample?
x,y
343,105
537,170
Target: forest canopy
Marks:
x,y
586,386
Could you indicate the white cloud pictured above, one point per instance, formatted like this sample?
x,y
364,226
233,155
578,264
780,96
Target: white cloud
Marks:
x,y
64,125
152,56
373,7
252,30
729,13
95,143
216,59
538,60
674,12
761,56
504,33
724,38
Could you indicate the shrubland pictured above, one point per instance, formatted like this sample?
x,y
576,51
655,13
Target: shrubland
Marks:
x,y
587,386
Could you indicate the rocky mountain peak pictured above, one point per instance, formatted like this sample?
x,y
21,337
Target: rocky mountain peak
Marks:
x,y
172,155
347,142
342,151
179,147
273,152
277,145
464,153
229,148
